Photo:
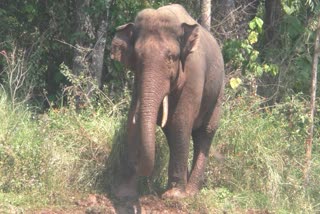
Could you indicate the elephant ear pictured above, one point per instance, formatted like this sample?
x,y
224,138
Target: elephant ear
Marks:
x,y
190,39
122,45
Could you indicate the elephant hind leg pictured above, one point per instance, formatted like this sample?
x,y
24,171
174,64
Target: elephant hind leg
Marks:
x,y
202,139
202,143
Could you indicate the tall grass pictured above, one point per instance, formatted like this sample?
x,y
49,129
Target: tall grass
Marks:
x,y
52,155
264,159
22,160
55,155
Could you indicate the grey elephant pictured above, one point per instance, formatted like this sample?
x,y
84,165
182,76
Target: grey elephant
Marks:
x,y
178,84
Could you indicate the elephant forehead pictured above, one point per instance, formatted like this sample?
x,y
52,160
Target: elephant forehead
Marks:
x,y
157,21
156,44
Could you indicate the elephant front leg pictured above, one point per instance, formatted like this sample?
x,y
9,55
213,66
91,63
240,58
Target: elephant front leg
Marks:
x,y
127,187
178,140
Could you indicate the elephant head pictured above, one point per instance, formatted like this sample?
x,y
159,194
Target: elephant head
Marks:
x,y
156,47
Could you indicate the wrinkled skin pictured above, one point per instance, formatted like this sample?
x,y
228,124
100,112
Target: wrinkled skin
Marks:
x,y
171,55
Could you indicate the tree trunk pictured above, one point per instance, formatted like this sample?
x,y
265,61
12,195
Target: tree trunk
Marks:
x,y
90,46
309,139
84,25
206,14
269,84
271,20
96,66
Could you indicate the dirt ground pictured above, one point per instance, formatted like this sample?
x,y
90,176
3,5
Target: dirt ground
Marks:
x,y
100,204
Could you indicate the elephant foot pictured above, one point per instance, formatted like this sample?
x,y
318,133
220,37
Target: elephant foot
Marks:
x,y
127,190
174,193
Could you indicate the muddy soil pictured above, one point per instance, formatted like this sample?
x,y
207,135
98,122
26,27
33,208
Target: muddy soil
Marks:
x,y
100,204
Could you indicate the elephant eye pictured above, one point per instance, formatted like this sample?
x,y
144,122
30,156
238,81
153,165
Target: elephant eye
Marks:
x,y
172,57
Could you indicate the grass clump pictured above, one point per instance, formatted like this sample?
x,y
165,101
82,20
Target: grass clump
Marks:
x,y
47,159
20,149
264,159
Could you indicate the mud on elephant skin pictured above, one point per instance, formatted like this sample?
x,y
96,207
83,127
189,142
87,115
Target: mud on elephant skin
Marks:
x,y
179,82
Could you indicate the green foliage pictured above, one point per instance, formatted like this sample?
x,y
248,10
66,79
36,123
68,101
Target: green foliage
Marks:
x,y
243,55
21,157
296,6
293,49
256,24
52,155
264,152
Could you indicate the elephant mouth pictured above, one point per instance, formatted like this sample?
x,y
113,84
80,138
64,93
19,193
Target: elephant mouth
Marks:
x,y
165,107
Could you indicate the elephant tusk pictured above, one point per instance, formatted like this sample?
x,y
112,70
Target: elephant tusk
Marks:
x,y
135,114
164,111
134,119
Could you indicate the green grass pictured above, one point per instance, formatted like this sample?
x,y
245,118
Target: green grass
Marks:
x,y
53,155
47,159
264,159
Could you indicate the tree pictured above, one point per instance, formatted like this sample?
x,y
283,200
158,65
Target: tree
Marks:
x,y
271,21
206,14
312,104
91,41
230,18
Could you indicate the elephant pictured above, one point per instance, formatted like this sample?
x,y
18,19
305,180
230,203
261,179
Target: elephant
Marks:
x,y
178,84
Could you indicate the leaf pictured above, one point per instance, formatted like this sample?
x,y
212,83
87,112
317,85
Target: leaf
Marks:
x,y
254,55
256,24
294,26
258,70
252,25
253,37
235,82
288,10
259,24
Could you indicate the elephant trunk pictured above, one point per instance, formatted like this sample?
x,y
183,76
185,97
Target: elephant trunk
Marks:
x,y
153,92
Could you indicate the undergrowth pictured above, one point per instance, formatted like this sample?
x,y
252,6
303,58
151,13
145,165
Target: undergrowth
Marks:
x,y
256,160
263,149
51,156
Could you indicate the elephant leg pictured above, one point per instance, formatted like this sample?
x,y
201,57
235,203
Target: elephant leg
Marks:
x,y
127,187
178,141
202,143
202,139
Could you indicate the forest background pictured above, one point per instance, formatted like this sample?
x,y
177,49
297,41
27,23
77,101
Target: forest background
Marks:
x,y
63,103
